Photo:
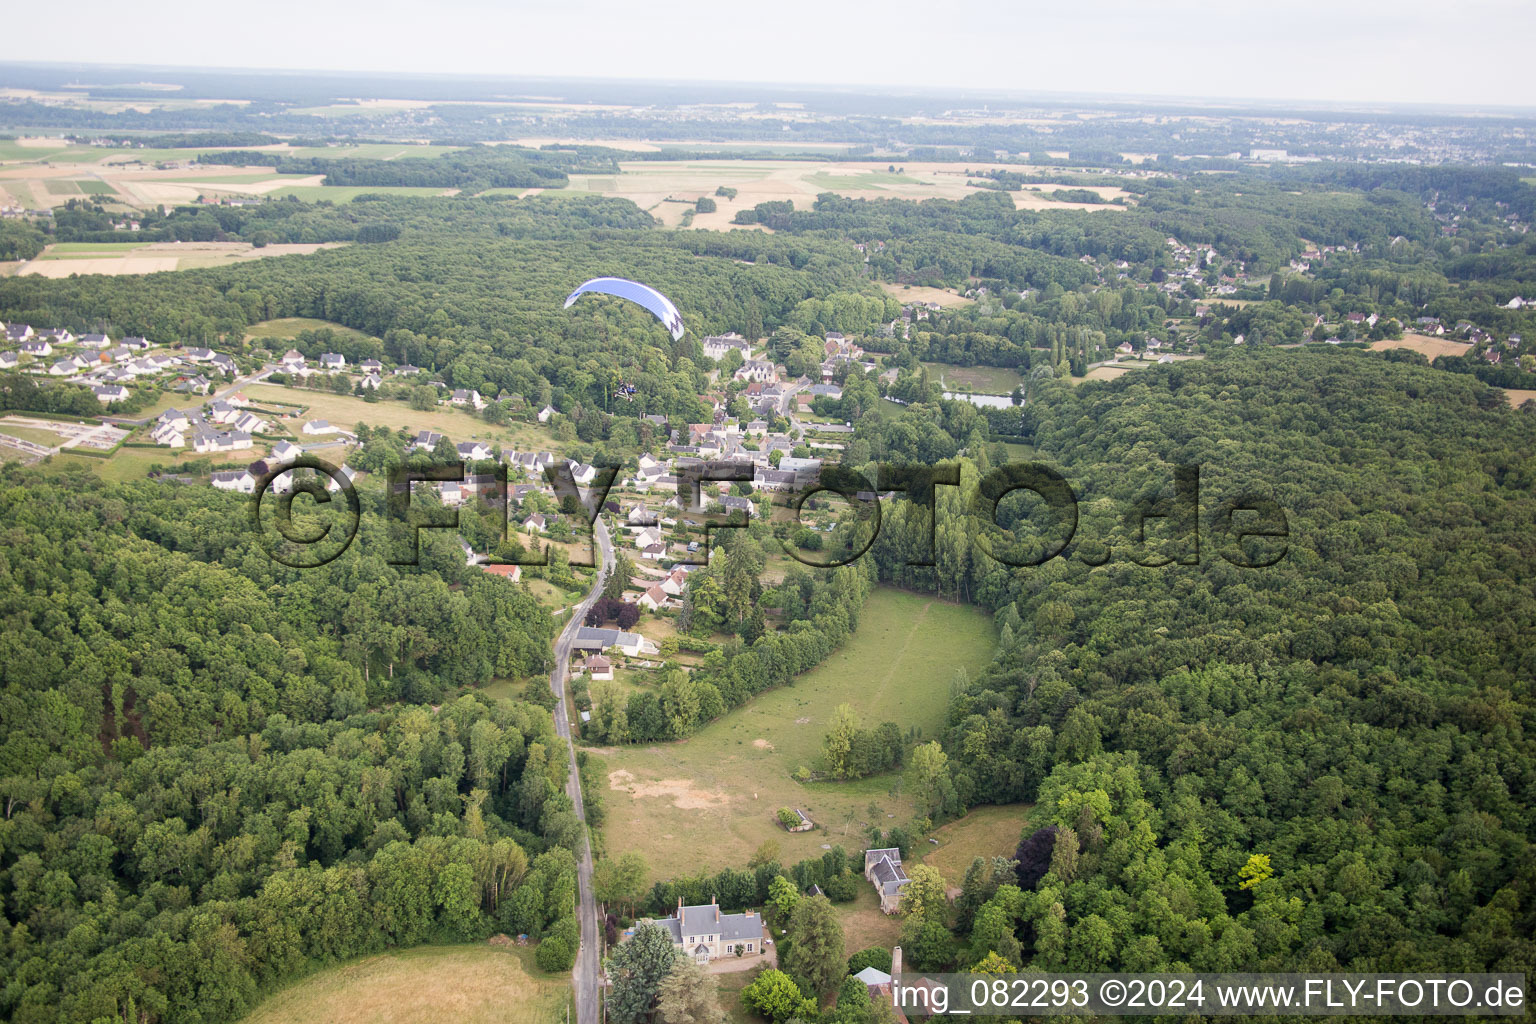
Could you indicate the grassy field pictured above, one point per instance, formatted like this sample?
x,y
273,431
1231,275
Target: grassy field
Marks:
x,y
919,293
12,151
37,435
226,179
428,985
712,796
869,179
346,410
1426,345
60,248
985,832
729,988
134,463
864,924
291,326
985,380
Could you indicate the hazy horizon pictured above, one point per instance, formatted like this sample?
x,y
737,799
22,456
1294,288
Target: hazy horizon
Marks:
x,y
1363,52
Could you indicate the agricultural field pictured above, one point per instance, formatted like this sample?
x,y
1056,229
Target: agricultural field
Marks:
x,y
714,794
66,259
649,184
1426,345
990,831
983,380
427,985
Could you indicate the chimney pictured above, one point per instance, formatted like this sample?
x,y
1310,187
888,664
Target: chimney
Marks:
x,y
895,961
679,908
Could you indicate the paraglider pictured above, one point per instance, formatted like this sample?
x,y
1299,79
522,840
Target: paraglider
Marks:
x,y
641,294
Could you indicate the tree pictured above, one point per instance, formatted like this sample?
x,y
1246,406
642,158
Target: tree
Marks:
x,y
1034,856
620,882
837,749
775,996
688,995
1255,872
929,777
816,944
767,853
924,896
618,577
877,957
636,970
993,964
782,896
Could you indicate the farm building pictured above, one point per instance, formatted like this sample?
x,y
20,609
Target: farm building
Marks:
x,y
883,868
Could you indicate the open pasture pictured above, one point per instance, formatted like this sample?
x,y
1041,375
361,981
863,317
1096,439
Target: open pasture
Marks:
x,y
426,985
715,793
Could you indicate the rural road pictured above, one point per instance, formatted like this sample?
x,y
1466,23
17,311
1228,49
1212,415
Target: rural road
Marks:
x,y
587,968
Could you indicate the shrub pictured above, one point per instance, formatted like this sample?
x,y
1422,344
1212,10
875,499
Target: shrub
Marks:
x,y
555,956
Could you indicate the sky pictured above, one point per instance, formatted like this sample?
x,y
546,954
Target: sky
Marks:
x,y
1466,53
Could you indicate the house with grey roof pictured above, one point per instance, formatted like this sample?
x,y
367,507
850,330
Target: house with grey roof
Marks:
x,y
704,933
592,638
883,869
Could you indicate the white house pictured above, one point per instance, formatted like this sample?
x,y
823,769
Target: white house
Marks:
x,y
234,480
675,583
284,451
347,473
110,393
648,537
598,667
318,427
473,451
168,435
174,418
545,413
650,469
333,361
292,360
652,599
8,360
717,345
534,524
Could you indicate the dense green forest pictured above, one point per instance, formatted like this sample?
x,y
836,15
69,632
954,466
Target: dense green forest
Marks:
x,y
218,773
1322,763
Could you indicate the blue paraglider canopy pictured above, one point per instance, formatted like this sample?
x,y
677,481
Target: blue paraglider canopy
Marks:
x,y
641,294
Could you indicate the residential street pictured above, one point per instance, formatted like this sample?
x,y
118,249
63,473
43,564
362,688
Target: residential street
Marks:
x,y
588,967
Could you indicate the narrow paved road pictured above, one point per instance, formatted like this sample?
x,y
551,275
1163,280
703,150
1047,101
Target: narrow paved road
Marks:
x,y
587,967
